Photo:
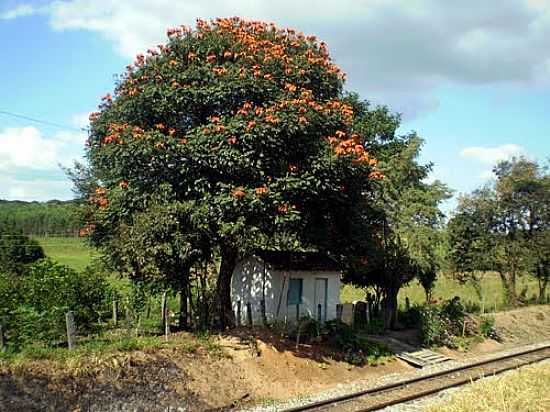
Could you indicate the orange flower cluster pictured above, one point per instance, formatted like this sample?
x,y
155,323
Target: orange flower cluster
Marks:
x,y
238,193
219,71
99,198
260,191
86,230
376,175
115,131
350,147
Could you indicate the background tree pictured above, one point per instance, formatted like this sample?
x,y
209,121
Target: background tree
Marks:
x,y
243,123
503,227
403,213
17,251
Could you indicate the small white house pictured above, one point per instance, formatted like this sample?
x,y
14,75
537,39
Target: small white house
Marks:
x,y
292,285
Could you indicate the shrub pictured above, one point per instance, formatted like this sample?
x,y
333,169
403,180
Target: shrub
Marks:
x,y
36,311
431,326
438,324
487,328
356,350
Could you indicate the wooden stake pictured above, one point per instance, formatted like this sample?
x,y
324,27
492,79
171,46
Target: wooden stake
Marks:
x,y
115,312
163,307
2,342
166,323
249,313
71,329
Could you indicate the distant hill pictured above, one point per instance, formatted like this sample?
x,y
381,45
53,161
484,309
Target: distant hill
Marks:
x,y
51,218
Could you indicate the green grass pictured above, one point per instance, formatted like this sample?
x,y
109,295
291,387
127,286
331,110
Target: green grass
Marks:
x,y
70,251
446,288
111,343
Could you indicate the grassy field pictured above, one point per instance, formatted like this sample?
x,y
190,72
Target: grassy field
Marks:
x,y
75,253
446,288
70,251
523,390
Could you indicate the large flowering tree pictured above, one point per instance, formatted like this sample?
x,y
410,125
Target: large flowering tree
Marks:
x,y
246,128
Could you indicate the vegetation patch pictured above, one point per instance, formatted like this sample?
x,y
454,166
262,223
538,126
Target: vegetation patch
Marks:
x,y
523,390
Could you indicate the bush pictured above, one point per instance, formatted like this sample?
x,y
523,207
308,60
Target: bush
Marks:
x,y
355,349
487,328
307,328
35,311
431,326
438,324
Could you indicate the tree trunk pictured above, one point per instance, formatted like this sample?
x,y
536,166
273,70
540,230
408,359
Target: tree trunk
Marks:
x,y
542,290
223,286
509,285
389,307
183,290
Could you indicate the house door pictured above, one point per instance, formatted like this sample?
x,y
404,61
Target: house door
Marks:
x,y
321,287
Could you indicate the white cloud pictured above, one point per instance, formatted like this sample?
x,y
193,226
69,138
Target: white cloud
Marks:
x,y
19,11
28,148
492,155
30,163
395,51
40,189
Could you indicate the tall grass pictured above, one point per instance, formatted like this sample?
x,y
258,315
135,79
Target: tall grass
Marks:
x,y
523,390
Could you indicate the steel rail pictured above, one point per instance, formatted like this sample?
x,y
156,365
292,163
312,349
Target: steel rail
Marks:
x,y
320,405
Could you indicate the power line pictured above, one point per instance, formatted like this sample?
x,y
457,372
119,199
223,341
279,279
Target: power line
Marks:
x,y
32,119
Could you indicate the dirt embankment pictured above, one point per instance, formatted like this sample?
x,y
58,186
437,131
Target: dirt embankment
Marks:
x,y
155,380
263,368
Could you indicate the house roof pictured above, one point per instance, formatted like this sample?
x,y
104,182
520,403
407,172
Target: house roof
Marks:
x,y
282,260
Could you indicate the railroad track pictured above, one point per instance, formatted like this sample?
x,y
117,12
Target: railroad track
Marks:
x,y
410,389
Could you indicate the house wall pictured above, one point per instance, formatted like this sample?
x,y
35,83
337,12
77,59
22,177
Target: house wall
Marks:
x,y
253,281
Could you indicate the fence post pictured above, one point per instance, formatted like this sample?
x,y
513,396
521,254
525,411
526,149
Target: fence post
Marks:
x,y
319,313
71,329
297,312
249,313
163,308
166,323
339,308
115,312
407,304
262,309
2,343
239,313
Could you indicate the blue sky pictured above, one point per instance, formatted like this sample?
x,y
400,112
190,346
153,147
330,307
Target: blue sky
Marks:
x,y
472,79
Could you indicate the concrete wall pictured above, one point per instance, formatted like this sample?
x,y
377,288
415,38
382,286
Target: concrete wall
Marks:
x,y
253,281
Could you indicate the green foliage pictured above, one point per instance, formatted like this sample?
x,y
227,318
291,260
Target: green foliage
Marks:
x,y
40,218
355,349
35,310
505,227
431,326
232,137
487,327
17,251
405,233
440,323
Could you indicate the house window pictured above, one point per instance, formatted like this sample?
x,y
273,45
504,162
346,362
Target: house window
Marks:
x,y
294,296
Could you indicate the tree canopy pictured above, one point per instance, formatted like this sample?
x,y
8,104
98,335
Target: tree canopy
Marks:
x,y
245,133
504,226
